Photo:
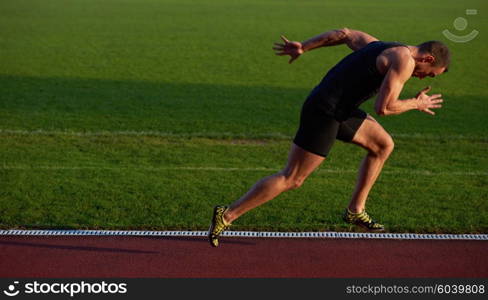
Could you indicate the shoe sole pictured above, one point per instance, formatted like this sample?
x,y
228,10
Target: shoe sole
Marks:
x,y
363,226
367,228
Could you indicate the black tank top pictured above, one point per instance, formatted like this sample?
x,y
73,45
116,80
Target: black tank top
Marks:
x,y
352,81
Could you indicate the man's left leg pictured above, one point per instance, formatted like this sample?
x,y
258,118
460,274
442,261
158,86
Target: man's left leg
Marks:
x,y
379,144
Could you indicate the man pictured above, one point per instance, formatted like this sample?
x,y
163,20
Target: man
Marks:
x,y
331,112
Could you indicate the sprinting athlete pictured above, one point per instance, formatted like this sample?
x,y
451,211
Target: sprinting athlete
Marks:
x,y
331,112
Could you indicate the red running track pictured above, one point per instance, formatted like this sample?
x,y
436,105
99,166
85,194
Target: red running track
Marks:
x,y
185,257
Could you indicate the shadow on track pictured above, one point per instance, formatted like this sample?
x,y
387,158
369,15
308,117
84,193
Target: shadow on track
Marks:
x,y
75,248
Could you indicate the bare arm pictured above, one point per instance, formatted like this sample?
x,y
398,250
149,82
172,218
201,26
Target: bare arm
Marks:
x,y
387,102
354,39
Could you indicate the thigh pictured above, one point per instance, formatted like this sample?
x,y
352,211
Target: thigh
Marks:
x,y
301,163
372,136
349,128
317,132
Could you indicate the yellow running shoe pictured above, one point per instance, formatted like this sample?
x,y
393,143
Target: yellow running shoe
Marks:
x,y
218,225
362,219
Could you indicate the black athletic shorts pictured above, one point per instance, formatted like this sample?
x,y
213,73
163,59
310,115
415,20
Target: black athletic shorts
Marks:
x,y
318,130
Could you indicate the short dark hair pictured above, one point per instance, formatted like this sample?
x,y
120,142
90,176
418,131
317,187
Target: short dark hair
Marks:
x,y
439,51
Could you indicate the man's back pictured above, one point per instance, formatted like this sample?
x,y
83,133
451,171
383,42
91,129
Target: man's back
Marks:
x,y
352,81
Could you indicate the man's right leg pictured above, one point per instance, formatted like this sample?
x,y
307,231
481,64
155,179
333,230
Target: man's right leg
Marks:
x,y
301,164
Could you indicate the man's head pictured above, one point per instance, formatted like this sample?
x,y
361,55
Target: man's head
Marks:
x,y
433,58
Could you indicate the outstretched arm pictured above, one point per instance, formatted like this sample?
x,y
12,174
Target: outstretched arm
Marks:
x,y
354,39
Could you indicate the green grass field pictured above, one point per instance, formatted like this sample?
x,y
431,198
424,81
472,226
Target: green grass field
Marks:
x,y
144,114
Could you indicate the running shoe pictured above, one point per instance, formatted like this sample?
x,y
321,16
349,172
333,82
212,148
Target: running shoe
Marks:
x,y
218,225
362,219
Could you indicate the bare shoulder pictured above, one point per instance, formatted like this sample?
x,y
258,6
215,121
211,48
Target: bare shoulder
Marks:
x,y
357,39
400,57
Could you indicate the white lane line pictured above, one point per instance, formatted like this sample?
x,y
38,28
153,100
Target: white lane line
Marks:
x,y
253,234
275,135
223,169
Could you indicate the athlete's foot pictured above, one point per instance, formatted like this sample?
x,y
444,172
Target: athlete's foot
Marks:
x,y
362,219
218,225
